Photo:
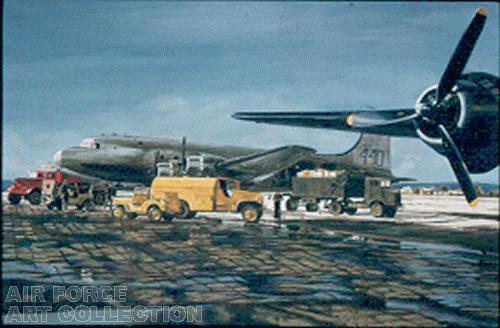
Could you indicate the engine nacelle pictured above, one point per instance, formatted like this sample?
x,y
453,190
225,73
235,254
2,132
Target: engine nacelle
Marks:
x,y
470,113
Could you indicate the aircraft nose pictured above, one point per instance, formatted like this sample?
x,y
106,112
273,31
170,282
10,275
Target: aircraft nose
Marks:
x,y
58,157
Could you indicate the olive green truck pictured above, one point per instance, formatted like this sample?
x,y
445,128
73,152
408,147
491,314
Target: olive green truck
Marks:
x,y
345,194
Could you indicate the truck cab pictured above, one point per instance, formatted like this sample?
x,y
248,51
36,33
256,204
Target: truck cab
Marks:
x,y
380,198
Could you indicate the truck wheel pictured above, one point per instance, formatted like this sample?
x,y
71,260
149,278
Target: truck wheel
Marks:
x,y
99,198
14,199
250,213
350,210
88,205
312,207
377,209
389,211
154,213
119,213
192,214
335,207
184,212
292,204
35,197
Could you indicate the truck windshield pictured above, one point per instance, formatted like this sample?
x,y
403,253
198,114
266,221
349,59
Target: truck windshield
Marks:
x,y
227,187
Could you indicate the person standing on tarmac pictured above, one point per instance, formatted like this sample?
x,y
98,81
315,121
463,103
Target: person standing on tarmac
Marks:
x,y
277,206
65,197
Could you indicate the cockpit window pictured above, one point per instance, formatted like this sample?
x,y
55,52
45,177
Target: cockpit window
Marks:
x,y
90,143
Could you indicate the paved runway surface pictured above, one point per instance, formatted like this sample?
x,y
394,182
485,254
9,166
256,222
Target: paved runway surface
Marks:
x,y
319,271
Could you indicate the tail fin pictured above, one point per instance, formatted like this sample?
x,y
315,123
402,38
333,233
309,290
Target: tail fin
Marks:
x,y
371,151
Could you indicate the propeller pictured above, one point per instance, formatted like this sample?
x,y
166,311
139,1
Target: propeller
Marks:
x,y
435,113
462,54
458,166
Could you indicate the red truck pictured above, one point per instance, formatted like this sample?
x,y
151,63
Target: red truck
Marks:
x,y
29,188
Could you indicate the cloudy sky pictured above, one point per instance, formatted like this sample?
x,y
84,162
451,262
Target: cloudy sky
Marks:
x,y
79,68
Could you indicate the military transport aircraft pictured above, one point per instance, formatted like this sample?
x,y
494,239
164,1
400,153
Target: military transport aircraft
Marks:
x,y
137,159
458,117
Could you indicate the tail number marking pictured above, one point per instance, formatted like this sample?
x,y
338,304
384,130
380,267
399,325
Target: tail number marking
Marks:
x,y
375,157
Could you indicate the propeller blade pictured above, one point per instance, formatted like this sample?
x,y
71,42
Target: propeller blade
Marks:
x,y
374,119
461,55
459,168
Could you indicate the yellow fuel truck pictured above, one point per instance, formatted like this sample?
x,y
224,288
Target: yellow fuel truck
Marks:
x,y
210,195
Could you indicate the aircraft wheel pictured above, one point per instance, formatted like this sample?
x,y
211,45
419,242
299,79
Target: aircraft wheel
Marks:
x,y
377,209
184,212
292,204
119,213
154,213
88,205
250,213
14,199
335,207
312,207
35,197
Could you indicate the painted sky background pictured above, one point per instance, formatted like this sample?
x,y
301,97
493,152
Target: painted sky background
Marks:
x,y
78,68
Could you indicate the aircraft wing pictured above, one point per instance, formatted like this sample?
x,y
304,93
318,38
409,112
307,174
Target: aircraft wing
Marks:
x,y
265,164
375,121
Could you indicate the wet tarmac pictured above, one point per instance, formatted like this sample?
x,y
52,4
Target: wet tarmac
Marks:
x,y
320,271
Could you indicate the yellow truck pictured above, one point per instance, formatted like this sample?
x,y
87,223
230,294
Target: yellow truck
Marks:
x,y
143,202
210,195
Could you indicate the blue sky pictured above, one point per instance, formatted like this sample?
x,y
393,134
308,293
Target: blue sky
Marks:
x,y
78,68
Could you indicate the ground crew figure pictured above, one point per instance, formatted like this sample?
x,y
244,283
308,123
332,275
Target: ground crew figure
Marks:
x,y
277,206
65,197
